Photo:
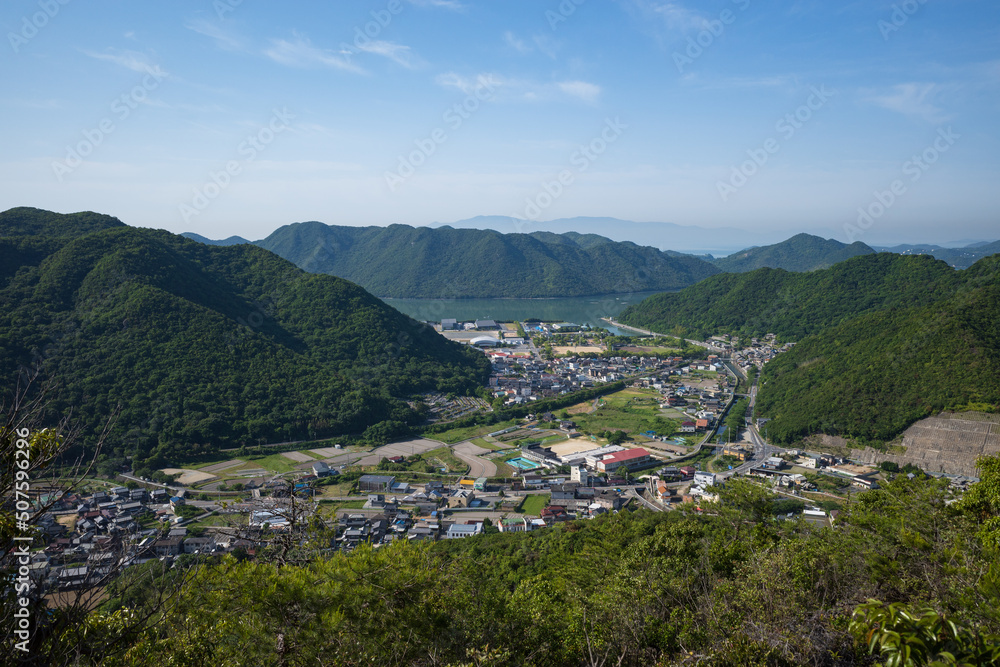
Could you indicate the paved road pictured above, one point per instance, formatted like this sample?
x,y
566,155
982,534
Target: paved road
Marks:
x,y
469,453
699,343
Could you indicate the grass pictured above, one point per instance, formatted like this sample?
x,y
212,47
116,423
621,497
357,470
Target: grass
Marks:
x,y
504,470
272,462
215,520
447,459
465,433
486,444
336,490
335,506
534,504
631,410
827,483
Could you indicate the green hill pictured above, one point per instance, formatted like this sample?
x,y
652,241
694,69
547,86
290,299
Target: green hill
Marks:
x,y
802,252
206,347
883,340
402,261
872,376
794,305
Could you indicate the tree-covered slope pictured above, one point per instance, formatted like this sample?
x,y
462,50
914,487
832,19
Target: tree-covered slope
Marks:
x,y
794,305
802,252
872,376
27,221
403,261
207,347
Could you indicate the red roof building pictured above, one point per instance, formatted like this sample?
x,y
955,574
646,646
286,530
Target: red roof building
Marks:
x,y
630,458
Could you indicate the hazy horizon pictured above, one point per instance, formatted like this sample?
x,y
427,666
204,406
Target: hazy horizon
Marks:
x,y
873,122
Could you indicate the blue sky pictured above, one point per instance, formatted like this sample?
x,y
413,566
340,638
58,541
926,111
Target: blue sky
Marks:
x,y
872,121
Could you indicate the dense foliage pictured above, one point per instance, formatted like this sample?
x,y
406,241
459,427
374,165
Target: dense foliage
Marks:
x,y
726,586
872,376
206,347
403,261
883,340
802,252
794,305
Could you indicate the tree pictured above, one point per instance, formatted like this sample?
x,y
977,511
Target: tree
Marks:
x,y
982,500
617,438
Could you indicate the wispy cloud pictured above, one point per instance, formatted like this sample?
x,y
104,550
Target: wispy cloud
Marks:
x,y
300,52
133,60
542,43
398,53
443,4
911,99
671,18
223,39
518,45
588,92
469,85
521,89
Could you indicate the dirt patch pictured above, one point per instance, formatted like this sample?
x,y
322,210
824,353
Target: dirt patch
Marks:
x,y
298,457
188,477
219,467
573,446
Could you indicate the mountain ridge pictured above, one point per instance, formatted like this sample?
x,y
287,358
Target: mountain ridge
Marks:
x,y
800,253
207,346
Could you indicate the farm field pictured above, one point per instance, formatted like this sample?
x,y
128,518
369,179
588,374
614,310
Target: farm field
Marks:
x,y
631,410
465,433
534,504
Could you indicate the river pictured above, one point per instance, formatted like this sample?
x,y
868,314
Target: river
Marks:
x,y
578,310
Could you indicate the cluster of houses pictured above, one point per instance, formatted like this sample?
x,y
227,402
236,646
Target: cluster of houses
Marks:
x,y
107,534
520,380
759,352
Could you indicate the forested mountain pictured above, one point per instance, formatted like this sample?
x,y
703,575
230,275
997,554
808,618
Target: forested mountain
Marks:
x,y
794,305
802,252
960,258
206,346
883,340
419,262
872,376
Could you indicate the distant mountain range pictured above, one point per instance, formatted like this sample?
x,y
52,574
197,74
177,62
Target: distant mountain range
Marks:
x,y
960,258
421,262
663,235
802,252
202,346
232,240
